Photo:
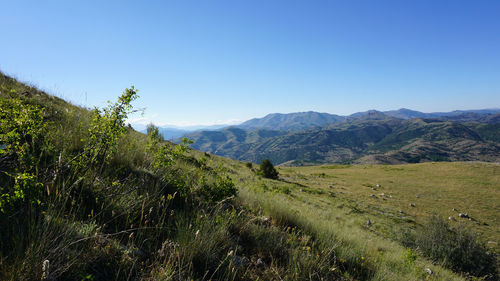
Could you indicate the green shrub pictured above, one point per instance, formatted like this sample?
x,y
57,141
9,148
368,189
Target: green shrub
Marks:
x,y
106,128
409,256
21,132
220,188
456,247
163,153
267,169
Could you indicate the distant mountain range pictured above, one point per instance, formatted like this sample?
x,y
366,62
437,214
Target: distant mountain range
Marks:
x,y
409,114
174,132
310,119
397,136
306,120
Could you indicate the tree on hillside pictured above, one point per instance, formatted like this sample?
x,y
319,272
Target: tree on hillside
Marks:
x,y
267,169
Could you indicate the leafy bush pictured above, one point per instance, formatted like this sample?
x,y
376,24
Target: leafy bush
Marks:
x,y
222,187
21,132
164,155
267,169
106,128
409,256
457,247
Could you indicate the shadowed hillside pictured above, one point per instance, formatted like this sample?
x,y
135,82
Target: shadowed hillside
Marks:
x,y
291,121
374,135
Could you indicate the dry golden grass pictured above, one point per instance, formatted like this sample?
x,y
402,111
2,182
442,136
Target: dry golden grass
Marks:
x,y
336,200
446,189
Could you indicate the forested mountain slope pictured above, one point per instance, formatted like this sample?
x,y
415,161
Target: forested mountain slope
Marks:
x,y
374,135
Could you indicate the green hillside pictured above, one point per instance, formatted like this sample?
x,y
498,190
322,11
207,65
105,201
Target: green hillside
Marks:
x,y
291,121
85,197
371,138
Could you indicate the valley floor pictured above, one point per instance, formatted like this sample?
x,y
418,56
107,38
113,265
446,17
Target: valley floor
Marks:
x,y
365,206
386,194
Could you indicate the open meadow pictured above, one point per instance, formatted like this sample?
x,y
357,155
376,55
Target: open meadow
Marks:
x,y
365,208
405,194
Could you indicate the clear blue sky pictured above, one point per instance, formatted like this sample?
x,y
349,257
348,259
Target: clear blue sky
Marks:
x,y
200,62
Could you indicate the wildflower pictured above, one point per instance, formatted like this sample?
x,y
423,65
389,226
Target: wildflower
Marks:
x,y
167,244
45,270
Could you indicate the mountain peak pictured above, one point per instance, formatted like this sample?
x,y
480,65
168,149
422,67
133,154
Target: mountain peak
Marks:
x,y
291,121
405,113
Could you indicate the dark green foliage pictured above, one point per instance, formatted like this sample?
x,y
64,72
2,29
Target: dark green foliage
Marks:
x,y
489,131
267,169
216,190
353,139
249,165
455,247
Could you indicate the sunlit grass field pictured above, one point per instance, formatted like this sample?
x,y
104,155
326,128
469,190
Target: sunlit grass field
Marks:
x,y
364,207
389,195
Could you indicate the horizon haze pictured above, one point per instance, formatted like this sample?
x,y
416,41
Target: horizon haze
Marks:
x,y
140,124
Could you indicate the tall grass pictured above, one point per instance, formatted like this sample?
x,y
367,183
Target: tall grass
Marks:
x,y
358,254
118,205
110,209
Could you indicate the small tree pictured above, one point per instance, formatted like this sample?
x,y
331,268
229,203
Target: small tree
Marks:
x,y
267,169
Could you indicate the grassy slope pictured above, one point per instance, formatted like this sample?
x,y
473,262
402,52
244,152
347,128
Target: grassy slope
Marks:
x,y
341,211
130,220
119,227
127,219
